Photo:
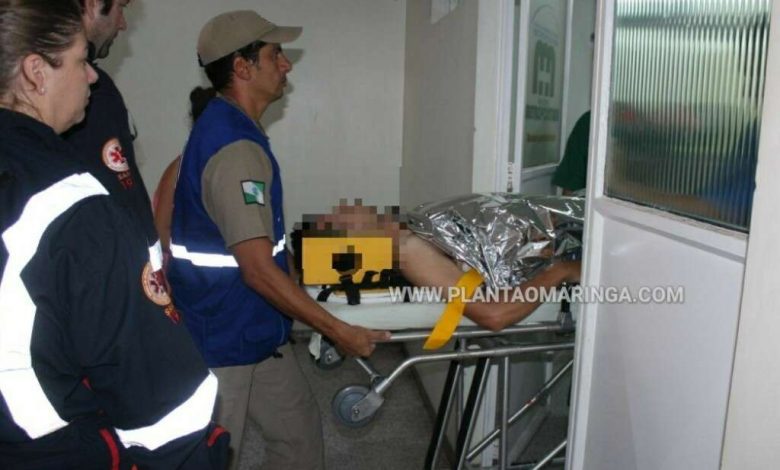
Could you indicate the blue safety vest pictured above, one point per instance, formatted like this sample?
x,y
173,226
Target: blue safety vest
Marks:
x,y
230,322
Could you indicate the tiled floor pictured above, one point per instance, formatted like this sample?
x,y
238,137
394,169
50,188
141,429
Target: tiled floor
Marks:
x,y
397,437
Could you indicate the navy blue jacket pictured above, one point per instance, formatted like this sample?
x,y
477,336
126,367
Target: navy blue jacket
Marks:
x,y
96,370
104,144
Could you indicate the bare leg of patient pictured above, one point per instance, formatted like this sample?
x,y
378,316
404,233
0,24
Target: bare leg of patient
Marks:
x,y
425,265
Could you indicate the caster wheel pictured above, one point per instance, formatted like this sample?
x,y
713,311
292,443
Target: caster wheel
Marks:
x,y
330,358
343,402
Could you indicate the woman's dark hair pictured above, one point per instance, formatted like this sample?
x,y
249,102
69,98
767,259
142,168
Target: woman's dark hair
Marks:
x,y
220,72
199,98
42,27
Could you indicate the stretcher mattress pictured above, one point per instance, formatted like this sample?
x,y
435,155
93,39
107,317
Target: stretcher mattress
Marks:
x,y
378,312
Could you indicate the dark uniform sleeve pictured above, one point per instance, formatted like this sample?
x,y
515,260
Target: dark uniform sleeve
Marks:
x,y
103,315
572,172
104,142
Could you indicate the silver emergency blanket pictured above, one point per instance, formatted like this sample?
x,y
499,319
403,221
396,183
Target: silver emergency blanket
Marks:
x,y
506,237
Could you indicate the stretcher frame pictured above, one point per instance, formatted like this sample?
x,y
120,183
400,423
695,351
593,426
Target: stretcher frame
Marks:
x,y
356,405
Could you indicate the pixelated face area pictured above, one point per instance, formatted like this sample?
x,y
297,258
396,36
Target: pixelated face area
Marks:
x,y
357,220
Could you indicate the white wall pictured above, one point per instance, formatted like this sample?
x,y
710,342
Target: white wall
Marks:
x,y
438,126
338,131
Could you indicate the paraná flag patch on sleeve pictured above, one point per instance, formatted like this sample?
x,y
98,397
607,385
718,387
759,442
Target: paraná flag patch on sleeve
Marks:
x,y
253,192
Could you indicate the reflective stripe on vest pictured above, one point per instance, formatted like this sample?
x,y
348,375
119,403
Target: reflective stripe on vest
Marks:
x,y
192,415
279,246
208,260
216,260
24,395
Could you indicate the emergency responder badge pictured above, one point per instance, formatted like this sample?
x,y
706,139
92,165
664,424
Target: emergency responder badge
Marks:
x,y
253,192
113,156
154,286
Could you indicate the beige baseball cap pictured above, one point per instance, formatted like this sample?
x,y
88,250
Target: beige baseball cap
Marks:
x,y
229,32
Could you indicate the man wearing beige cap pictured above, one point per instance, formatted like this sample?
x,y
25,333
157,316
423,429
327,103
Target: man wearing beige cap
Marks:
x,y
229,268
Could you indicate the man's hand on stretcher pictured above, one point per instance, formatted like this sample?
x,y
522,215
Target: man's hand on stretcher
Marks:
x,y
358,341
260,272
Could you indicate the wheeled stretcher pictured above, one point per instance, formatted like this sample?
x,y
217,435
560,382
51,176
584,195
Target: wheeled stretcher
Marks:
x,y
356,405
504,239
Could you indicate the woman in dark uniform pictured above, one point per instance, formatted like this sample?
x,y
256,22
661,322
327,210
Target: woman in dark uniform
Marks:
x,y
96,370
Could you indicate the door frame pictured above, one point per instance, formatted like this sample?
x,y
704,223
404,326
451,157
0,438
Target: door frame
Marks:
x,y
724,242
499,16
752,427
492,97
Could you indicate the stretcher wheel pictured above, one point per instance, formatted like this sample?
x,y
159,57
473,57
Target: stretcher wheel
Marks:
x,y
330,358
343,402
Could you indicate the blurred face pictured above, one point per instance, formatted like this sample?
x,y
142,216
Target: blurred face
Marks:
x,y
103,29
360,221
271,68
67,87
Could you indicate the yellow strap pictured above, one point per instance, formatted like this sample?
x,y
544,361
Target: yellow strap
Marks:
x,y
450,318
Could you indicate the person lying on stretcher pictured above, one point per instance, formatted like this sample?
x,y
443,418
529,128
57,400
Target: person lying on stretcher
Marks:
x,y
425,265
420,262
